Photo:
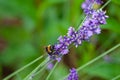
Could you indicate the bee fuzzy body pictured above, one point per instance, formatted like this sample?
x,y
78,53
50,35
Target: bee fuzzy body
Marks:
x,y
50,49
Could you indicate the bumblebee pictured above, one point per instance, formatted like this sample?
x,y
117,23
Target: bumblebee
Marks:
x,y
50,49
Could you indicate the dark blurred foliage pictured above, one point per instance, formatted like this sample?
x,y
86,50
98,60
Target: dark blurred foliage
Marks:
x,y
27,26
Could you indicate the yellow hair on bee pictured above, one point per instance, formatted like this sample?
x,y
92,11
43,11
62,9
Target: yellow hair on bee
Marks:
x,y
49,48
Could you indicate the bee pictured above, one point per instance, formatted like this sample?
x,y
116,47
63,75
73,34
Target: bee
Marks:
x,y
50,49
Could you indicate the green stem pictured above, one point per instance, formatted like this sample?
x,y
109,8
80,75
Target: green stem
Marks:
x,y
95,59
105,4
14,73
81,19
117,77
52,71
82,22
42,69
39,71
29,76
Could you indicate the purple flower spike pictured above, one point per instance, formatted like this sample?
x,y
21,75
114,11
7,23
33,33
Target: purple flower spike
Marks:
x,y
89,33
97,30
58,59
50,66
64,41
108,58
62,46
100,16
98,1
87,6
74,36
71,32
73,74
90,26
65,51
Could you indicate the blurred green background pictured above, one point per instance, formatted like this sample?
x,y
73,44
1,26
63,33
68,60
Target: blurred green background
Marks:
x,y
27,26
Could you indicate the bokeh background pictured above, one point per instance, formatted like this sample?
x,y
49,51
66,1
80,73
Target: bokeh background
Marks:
x,y
27,26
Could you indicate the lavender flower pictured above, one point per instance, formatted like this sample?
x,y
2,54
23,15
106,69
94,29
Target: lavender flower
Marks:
x,y
98,1
74,36
100,16
107,58
62,46
50,66
88,4
90,26
73,74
